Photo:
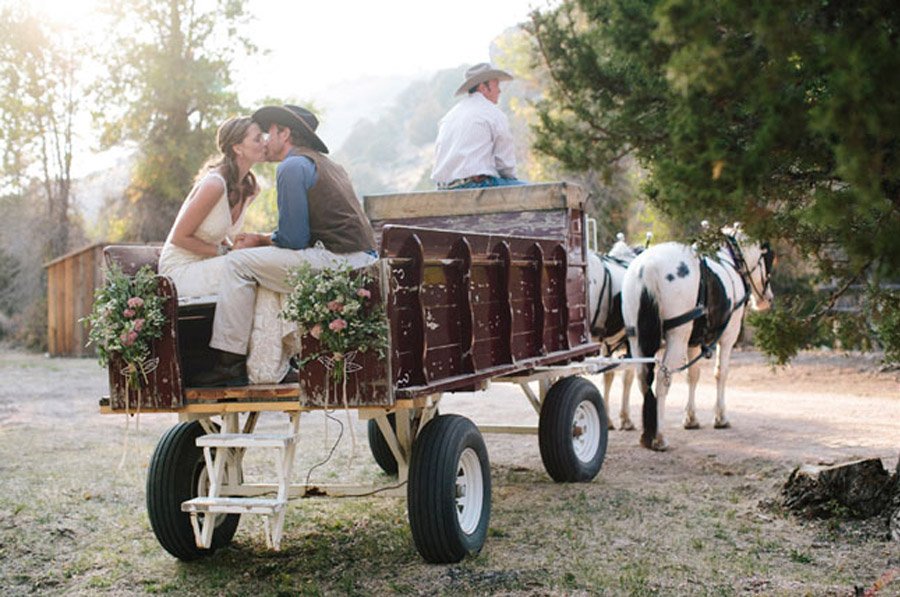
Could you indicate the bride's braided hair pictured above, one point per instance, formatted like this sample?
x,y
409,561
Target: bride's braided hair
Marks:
x,y
231,133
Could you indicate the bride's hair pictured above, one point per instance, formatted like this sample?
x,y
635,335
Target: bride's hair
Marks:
x,y
231,133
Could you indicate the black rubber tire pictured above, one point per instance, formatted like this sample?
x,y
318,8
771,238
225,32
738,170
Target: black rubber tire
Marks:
x,y
449,450
573,450
381,452
172,478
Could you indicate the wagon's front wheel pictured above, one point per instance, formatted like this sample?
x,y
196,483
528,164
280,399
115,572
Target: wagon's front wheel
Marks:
x,y
449,490
573,430
178,473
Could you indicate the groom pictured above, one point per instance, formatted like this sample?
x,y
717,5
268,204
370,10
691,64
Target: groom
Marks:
x,y
320,222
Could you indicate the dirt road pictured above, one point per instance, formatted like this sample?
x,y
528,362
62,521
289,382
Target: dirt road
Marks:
x,y
702,518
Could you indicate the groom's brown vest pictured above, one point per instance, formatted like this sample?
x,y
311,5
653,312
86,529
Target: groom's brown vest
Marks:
x,y
335,215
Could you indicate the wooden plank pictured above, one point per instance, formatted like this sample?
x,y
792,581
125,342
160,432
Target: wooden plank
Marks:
x,y
52,320
80,265
475,201
69,318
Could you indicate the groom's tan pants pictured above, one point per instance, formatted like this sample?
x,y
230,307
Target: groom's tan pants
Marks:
x,y
267,267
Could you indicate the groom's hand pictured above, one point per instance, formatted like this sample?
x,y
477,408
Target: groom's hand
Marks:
x,y
247,240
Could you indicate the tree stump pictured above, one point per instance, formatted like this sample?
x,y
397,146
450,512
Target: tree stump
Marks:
x,y
859,489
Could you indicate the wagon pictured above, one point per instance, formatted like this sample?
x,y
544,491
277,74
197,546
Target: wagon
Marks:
x,y
479,286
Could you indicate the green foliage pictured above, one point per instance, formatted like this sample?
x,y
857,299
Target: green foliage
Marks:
x,y
127,315
39,66
336,307
782,116
885,314
169,88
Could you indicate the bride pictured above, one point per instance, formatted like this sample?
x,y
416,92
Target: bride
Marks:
x,y
211,217
208,226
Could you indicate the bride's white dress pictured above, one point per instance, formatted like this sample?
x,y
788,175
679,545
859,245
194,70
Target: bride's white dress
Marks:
x,y
197,277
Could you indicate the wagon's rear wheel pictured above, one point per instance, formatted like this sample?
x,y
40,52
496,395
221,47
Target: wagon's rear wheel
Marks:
x,y
573,430
178,473
449,490
381,451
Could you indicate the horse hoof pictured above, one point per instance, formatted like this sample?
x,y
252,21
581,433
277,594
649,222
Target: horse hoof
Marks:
x,y
611,426
691,424
657,444
627,426
723,424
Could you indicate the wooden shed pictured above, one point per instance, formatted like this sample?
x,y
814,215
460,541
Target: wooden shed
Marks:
x,y
71,281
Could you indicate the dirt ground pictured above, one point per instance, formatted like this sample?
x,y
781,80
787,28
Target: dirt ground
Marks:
x,y
701,519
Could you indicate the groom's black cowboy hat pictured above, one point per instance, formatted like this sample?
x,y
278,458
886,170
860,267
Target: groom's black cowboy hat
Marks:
x,y
295,118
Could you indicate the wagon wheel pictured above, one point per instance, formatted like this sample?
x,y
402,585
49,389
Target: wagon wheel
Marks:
x,y
379,446
572,430
449,491
178,473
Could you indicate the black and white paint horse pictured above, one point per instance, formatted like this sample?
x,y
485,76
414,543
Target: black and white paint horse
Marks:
x,y
605,274
673,297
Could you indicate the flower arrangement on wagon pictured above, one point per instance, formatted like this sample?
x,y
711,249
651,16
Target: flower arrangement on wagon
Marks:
x,y
126,317
336,308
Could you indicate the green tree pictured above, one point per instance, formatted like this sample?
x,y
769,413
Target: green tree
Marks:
x,y
38,63
783,115
169,87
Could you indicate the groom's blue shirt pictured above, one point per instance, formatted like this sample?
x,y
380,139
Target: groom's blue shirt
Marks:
x,y
294,177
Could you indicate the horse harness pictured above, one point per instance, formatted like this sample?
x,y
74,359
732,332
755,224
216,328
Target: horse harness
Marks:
x,y
614,324
713,311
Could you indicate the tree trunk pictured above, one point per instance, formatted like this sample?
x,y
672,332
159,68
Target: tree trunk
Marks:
x,y
857,489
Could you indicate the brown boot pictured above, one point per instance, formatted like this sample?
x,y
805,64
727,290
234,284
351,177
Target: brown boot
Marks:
x,y
230,370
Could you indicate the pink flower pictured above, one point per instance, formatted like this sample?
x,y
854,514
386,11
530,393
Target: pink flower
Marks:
x,y
135,302
336,306
363,293
316,331
132,336
128,313
126,338
337,325
138,324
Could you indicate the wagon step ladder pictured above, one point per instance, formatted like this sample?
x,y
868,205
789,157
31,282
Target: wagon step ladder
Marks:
x,y
272,509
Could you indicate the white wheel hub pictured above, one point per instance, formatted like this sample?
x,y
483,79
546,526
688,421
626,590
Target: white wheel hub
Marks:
x,y
586,431
469,491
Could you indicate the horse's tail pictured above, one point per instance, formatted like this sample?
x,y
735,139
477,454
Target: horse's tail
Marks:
x,y
649,339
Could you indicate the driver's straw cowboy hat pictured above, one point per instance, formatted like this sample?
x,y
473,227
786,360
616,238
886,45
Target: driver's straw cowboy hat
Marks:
x,y
480,73
295,118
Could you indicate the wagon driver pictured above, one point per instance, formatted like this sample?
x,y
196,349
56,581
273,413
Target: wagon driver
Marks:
x,y
320,222
474,147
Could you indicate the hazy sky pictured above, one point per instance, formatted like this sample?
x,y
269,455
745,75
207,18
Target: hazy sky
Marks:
x,y
313,45
316,44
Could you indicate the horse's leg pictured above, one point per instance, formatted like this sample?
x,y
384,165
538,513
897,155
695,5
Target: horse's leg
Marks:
x,y
673,358
690,411
625,412
607,386
723,357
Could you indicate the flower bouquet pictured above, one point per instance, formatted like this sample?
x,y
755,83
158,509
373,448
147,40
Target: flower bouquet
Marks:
x,y
336,308
126,317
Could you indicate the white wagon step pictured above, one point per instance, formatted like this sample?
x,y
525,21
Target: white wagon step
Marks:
x,y
220,448
246,440
234,505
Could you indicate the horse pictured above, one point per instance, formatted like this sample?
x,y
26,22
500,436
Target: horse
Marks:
x,y
672,295
605,273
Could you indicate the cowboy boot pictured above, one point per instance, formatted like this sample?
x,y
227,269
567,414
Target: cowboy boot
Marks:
x,y
230,370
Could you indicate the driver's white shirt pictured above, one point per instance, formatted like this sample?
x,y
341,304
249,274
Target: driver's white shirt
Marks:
x,y
473,139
